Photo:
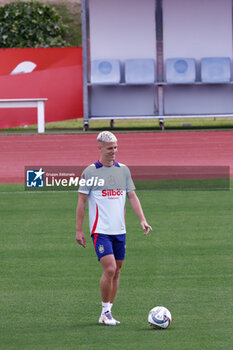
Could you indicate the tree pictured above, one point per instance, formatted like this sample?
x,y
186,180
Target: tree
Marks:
x,y
31,24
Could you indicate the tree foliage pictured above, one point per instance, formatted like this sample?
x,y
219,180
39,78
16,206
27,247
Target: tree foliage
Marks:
x,y
31,24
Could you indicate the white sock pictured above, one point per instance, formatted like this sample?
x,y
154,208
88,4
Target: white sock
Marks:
x,y
110,307
105,307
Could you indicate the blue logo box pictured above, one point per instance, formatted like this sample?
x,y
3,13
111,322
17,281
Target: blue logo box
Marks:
x,y
35,178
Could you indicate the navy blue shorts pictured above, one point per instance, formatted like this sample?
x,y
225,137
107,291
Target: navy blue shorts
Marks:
x,y
109,244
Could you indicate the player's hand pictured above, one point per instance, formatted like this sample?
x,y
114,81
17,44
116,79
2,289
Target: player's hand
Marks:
x,y
80,238
146,227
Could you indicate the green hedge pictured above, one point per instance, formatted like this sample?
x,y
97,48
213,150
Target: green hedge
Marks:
x,y
31,24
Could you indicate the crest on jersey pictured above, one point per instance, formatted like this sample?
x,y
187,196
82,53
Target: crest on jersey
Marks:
x,y
101,248
111,180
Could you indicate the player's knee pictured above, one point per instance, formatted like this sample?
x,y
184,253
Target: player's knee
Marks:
x,y
110,271
117,272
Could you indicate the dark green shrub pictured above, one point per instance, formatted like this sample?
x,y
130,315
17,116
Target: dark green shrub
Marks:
x,y
71,16
31,24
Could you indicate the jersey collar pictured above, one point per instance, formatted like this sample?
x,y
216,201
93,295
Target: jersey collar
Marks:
x,y
98,164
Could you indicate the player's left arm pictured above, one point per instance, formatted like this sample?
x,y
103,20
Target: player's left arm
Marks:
x,y
137,208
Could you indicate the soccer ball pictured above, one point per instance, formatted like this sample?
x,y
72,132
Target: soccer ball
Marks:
x,y
159,317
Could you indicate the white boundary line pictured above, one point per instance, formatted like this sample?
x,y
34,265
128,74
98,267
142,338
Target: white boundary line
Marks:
x,y
34,192
145,189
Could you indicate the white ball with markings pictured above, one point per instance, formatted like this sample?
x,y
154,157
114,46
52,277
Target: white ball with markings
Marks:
x,y
159,317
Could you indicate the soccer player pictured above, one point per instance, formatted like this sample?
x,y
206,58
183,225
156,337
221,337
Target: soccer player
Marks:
x,y
107,217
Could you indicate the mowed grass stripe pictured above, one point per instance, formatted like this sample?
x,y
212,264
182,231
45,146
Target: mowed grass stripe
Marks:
x,y
49,293
222,184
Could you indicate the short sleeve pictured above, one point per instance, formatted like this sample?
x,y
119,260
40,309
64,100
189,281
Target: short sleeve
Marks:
x,y
129,182
83,188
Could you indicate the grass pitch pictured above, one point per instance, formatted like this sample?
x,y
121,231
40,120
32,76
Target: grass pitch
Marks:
x,y
49,293
75,126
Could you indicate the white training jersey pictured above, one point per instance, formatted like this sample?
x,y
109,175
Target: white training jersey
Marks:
x,y
107,201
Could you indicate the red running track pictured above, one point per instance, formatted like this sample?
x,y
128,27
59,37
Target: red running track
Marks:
x,y
165,148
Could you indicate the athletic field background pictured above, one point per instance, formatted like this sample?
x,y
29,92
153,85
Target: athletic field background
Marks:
x,y
49,294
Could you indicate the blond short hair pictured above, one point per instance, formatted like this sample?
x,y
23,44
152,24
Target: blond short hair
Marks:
x,y
106,136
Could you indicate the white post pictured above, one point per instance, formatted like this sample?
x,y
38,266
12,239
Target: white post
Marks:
x,y
161,100
41,116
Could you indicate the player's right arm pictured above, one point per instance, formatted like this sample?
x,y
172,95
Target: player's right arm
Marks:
x,y
80,237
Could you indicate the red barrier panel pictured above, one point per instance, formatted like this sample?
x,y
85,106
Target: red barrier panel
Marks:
x,y
44,58
57,76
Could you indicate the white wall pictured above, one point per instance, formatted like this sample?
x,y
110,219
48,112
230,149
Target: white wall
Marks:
x,y
122,29
199,99
125,29
123,100
197,28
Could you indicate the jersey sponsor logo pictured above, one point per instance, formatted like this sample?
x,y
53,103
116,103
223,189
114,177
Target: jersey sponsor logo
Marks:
x,y
112,193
